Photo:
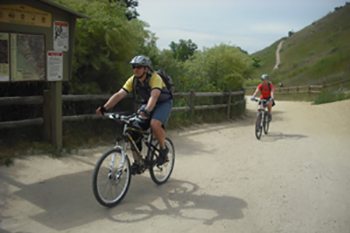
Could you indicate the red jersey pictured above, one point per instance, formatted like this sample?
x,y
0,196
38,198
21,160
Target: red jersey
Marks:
x,y
265,90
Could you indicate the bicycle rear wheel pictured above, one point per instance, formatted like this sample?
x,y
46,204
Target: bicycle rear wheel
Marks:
x,y
266,123
258,127
161,173
111,178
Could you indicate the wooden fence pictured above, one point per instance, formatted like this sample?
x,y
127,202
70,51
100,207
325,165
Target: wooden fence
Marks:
x,y
305,89
191,107
310,89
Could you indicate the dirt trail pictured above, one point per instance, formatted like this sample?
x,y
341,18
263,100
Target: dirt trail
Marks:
x,y
294,180
278,57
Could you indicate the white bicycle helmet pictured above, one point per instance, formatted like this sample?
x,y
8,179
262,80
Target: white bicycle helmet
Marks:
x,y
141,60
264,77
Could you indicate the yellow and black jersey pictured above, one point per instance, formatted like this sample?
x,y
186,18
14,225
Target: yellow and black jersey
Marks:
x,y
143,90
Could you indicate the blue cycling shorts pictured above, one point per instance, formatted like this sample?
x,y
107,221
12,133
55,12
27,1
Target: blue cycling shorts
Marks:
x,y
162,111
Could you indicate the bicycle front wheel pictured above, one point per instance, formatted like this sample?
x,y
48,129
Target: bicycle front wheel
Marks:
x,y
266,123
258,127
111,178
161,173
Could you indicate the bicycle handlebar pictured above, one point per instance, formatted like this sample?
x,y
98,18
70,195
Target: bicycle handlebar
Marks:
x,y
255,99
121,117
263,100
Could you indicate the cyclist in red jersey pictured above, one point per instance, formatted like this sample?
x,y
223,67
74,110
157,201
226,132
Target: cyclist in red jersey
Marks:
x,y
266,90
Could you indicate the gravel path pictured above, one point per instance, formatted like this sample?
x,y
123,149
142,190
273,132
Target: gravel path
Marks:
x,y
296,179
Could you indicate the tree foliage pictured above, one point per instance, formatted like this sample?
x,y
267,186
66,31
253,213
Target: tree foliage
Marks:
x,y
130,12
107,40
183,50
104,43
220,68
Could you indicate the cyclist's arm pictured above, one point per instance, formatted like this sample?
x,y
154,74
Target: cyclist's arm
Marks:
x,y
272,91
112,101
155,93
156,83
115,98
255,92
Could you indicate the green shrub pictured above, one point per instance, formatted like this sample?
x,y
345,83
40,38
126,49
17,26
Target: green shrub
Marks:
x,y
328,96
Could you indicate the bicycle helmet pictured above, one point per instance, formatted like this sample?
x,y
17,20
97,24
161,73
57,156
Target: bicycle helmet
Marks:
x,y
141,60
264,77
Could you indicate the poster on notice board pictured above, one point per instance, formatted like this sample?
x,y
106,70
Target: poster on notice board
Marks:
x,y
54,66
61,36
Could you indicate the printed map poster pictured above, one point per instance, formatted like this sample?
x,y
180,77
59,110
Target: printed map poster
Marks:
x,y
54,66
27,57
60,36
4,57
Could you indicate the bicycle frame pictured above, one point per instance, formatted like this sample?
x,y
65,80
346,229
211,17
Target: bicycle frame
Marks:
x,y
112,173
262,109
147,138
262,121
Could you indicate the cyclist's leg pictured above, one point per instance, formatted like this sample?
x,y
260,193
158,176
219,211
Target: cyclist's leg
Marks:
x,y
269,109
158,131
137,165
160,117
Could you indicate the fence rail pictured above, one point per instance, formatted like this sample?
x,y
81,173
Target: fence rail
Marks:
x,y
305,89
39,100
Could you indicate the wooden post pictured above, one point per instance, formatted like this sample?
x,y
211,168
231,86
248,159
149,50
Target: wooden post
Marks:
x,y
191,104
46,115
56,113
229,101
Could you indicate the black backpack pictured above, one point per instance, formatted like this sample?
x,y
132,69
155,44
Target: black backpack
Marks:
x,y
167,80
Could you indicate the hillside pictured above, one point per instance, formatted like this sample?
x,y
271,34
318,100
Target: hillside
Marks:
x,y
318,53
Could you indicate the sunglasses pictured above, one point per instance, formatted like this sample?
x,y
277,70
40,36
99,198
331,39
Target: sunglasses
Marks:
x,y
136,66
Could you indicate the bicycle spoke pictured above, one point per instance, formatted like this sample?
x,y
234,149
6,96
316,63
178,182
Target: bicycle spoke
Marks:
x,y
111,178
161,173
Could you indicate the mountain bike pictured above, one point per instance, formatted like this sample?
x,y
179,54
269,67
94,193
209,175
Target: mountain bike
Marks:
x,y
262,120
112,173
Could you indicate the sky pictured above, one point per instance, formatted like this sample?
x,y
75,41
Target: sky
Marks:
x,y
249,24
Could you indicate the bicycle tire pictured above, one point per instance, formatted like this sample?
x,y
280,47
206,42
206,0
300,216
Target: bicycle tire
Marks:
x,y
258,128
266,124
110,188
161,173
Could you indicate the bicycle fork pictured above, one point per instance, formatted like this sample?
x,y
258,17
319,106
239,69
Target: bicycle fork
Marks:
x,y
261,115
262,122
119,171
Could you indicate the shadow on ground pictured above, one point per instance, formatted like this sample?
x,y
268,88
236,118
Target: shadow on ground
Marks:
x,y
276,136
67,201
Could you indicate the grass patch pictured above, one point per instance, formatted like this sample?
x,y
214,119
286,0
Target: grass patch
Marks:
x,y
329,96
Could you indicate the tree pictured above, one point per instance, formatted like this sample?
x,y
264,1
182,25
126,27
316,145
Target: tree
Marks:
x,y
183,50
104,44
220,68
130,5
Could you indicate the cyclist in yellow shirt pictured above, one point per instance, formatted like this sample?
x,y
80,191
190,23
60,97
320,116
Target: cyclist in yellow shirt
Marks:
x,y
156,100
